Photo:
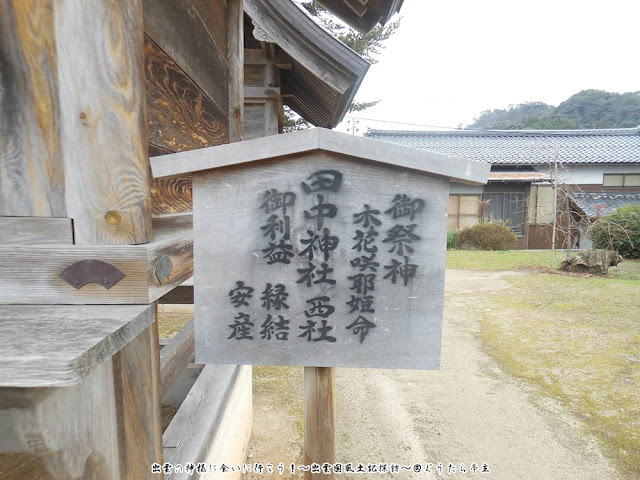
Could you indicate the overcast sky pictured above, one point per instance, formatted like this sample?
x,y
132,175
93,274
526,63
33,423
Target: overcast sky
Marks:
x,y
450,60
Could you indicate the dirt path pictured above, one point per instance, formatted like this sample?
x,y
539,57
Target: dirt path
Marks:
x,y
468,411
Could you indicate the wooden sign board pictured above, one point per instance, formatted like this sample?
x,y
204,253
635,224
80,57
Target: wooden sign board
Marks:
x,y
319,261
319,249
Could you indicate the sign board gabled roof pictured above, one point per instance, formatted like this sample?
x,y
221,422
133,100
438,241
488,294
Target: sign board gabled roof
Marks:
x,y
319,139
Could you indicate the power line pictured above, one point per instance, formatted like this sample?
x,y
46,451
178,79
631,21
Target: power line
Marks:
x,y
402,123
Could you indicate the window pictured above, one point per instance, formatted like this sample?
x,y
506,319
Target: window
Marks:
x,y
464,211
506,207
621,180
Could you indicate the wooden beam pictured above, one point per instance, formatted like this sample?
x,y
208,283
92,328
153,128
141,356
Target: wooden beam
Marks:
x,y
272,93
136,373
235,43
175,356
180,295
102,120
32,274
35,231
213,424
59,345
255,56
194,34
31,164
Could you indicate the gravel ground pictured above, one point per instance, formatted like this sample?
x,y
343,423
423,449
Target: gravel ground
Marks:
x,y
467,412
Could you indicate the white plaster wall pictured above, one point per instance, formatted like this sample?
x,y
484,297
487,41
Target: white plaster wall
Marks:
x,y
588,174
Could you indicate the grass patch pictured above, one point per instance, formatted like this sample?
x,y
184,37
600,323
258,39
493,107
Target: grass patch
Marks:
x,y
171,318
500,261
627,270
577,340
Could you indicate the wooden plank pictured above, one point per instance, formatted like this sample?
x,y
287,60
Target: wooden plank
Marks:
x,y
231,440
181,295
353,314
35,231
62,427
175,356
102,120
235,43
136,372
180,116
31,165
60,344
272,93
194,34
32,274
275,146
189,436
319,420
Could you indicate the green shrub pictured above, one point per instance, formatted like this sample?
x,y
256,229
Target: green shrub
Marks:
x,y
619,231
487,236
452,238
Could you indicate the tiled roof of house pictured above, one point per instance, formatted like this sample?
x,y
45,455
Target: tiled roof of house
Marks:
x,y
598,204
525,147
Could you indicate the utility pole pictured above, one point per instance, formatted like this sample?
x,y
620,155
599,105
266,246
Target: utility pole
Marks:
x,y
555,204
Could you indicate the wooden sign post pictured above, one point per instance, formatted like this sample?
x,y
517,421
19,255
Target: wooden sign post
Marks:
x,y
319,249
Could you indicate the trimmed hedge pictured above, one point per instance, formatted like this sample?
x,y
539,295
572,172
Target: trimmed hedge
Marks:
x,y
619,231
487,236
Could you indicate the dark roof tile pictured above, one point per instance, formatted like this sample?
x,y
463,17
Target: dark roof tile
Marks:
x,y
525,147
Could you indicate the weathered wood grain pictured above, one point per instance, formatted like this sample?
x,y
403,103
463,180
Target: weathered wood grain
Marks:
x,y
235,46
102,120
60,344
35,231
407,312
72,429
32,274
175,356
32,179
190,434
136,373
319,419
194,34
180,116
172,195
233,432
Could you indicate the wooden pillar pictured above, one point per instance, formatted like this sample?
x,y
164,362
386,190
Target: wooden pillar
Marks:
x,y
319,419
31,164
235,46
103,137
136,371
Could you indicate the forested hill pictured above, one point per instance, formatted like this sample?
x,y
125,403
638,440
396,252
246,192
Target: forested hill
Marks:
x,y
587,109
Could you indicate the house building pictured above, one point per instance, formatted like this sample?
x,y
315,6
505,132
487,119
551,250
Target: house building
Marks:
x,y
596,171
